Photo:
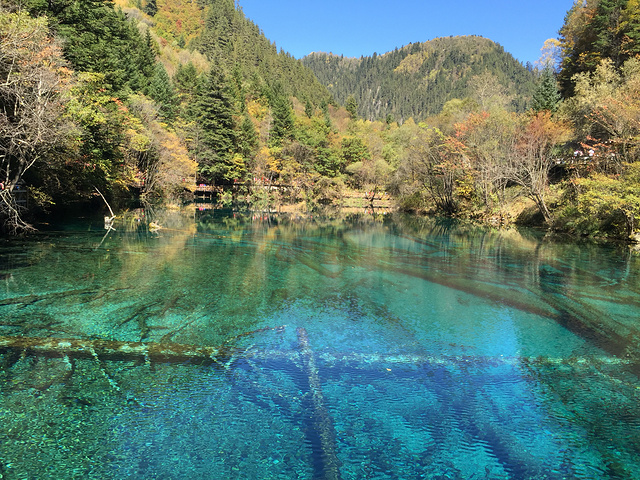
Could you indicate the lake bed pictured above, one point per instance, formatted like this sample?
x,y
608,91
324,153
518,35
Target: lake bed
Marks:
x,y
358,346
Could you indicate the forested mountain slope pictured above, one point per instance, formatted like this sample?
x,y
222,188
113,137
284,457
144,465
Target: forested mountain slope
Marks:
x,y
418,79
227,37
140,96
153,96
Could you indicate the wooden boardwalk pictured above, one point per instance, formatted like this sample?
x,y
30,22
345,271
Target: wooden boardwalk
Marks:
x,y
350,199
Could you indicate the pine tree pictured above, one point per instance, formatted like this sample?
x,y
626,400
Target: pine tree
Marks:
x,y
606,24
151,8
352,106
215,112
546,96
282,127
239,91
186,81
141,68
98,39
161,90
247,137
308,108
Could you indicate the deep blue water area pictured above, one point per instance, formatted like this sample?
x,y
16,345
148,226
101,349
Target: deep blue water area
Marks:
x,y
353,347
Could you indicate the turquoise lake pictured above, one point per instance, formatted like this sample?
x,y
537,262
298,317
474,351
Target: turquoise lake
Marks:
x,y
347,347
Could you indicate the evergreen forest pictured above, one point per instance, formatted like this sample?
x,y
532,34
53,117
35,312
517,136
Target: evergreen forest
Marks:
x,y
416,81
150,98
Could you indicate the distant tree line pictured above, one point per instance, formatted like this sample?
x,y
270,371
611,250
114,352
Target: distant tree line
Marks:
x,y
157,97
416,81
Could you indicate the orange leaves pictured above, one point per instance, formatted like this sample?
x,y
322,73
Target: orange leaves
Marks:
x,y
473,121
455,145
33,127
541,132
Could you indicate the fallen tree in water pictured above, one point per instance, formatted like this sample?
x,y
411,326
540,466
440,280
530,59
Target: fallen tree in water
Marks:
x,y
25,300
321,419
125,351
179,353
114,350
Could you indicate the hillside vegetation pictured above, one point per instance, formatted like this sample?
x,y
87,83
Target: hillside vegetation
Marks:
x,y
416,81
154,96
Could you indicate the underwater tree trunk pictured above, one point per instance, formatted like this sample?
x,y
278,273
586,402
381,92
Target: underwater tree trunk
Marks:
x,y
322,419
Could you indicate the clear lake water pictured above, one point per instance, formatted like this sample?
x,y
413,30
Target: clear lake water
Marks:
x,y
353,347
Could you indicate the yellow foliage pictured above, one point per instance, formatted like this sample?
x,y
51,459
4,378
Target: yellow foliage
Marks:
x,y
274,162
412,63
264,160
176,170
179,19
256,109
340,117
138,141
171,57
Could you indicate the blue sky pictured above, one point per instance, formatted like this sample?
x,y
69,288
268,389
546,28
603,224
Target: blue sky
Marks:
x,y
356,27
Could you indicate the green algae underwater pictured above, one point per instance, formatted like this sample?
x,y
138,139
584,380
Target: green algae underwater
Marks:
x,y
227,345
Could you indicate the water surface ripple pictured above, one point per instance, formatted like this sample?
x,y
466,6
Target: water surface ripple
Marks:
x,y
353,347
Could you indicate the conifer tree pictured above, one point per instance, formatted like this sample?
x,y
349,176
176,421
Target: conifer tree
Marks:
x,y
352,106
282,127
247,137
161,90
238,89
546,96
186,81
98,39
186,76
151,8
142,65
606,25
215,115
308,108
324,106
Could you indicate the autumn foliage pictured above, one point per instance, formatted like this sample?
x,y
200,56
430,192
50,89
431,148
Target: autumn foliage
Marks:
x,y
34,79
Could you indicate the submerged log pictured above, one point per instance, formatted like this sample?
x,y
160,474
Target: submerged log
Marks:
x,y
126,351
584,324
307,260
115,350
178,353
33,298
330,468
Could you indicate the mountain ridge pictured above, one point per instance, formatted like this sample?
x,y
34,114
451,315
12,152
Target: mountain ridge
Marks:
x,y
416,80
